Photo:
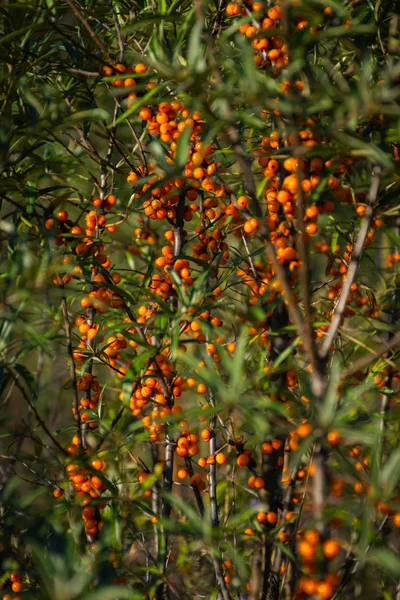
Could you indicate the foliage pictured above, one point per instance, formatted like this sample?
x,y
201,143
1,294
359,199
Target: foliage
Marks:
x,y
200,255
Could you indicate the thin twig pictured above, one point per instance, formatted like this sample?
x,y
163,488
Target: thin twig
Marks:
x,y
88,28
36,412
118,30
353,266
72,370
364,362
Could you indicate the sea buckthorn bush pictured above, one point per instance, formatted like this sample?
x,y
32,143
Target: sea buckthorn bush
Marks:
x,y
200,296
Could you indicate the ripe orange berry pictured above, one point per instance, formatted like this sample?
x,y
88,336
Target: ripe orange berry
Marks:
x,y
205,435
98,464
220,458
311,228
272,518
312,212
62,215
306,551
312,537
266,448
331,548
334,437
140,68
308,585
242,460
182,473
261,517
276,444
274,13
304,430
396,520
324,590
145,114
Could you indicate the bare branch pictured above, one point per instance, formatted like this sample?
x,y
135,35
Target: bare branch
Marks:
x,y
364,362
36,412
353,266
72,370
90,31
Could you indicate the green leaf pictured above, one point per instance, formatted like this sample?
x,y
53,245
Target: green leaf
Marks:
x,y
139,103
6,39
182,148
28,378
387,560
195,53
328,407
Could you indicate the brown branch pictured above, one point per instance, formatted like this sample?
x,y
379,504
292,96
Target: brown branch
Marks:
x,y
364,362
250,186
72,370
196,491
319,487
118,30
35,412
304,271
213,467
81,72
353,266
90,31
249,257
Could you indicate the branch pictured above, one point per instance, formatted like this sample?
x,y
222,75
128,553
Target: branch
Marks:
x,y
72,370
295,314
365,361
213,467
353,266
196,491
90,31
118,30
36,413
304,271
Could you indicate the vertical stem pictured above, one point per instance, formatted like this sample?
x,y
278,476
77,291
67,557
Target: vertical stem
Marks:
x,y
72,370
213,467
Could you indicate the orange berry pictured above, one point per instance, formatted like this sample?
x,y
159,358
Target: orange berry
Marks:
x,y
62,215
205,435
334,437
261,517
331,548
182,473
272,518
266,448
304,430
220,458
324,590
312,537
242,460
306,551
396,520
